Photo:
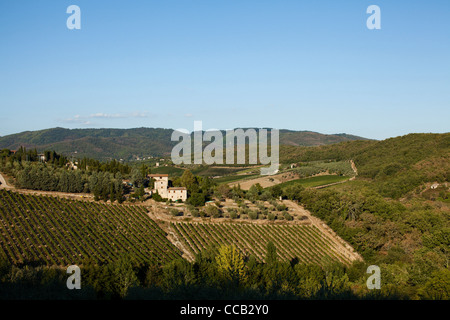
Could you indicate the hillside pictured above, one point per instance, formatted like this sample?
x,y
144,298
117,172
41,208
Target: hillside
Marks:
x,y
95,143
127,144
396,166
309,138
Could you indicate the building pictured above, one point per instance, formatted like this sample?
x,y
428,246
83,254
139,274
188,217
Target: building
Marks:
x,y
177,193
434,185
162,187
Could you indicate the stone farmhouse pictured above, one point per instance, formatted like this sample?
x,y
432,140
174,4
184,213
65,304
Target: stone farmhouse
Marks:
x,y
162,187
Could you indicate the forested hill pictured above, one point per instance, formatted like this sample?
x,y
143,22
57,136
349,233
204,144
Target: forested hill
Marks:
x,y
105,144
397,165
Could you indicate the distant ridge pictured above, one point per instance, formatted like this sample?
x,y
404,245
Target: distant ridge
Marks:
x,y
127,144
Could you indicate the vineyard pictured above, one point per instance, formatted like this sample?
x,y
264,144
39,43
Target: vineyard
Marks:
x,y
56,231
53,231
303,242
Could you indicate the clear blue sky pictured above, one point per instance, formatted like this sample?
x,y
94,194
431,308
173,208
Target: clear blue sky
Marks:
x,y
301,65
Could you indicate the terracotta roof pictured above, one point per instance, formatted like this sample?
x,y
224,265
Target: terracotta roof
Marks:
x,y
177,188
158,175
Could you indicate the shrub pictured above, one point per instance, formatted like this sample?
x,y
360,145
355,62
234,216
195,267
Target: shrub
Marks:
x,y
253,215
288,217
175,212
234,215
213,211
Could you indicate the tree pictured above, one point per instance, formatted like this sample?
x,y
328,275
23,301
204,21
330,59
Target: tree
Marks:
x,y
271,253
437,287
197,199
213,211
112,193
187,180
122,276
223,191
276,191
294,192
230,264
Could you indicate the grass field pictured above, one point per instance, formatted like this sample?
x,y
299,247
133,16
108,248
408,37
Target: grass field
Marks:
x,y
233,178
315,181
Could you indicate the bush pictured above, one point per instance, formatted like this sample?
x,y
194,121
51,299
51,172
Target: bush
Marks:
x,y
287,216
213,211
175,212
233,213
271,216
194,211
253,215
157,197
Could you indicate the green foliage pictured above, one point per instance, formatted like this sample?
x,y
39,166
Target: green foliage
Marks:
x,y
437,287
197,199
175,212
271,254
230,264
213,211
397,166
104,180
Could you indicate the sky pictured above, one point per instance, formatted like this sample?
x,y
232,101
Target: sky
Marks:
x,y
284,64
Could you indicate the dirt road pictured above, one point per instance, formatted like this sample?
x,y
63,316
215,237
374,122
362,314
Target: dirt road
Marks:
x,y
3,184
266,181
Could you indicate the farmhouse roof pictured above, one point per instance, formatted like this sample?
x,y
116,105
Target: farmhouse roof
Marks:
x,y
158,175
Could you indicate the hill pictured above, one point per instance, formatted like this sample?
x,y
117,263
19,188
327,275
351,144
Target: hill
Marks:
x,y
310,138
396,165
127,144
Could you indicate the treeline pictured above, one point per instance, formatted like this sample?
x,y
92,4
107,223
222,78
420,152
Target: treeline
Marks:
x,y
22,154
104,180
104,185
112,166
217,273
409,241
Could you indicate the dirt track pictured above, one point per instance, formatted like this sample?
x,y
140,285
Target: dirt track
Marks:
x,y
3,184
267,181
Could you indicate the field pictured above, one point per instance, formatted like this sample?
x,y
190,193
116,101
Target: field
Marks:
x,y
52,231
315,181
303,242
56,231
235,178
170,170
308,169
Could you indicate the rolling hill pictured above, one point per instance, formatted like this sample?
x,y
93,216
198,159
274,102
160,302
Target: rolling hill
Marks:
x,y
127,144
396,165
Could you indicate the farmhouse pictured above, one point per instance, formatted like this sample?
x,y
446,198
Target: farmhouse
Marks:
x,y
162,187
